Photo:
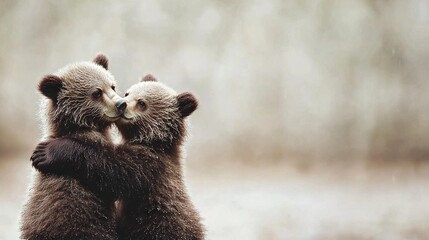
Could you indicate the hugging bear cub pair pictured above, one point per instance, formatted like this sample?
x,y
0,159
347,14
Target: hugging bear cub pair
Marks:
x,y
82,173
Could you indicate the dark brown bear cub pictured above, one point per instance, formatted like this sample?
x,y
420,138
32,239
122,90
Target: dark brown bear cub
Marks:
x,y
156,206
80,104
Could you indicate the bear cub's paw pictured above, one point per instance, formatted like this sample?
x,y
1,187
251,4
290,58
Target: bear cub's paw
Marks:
x,y
39,157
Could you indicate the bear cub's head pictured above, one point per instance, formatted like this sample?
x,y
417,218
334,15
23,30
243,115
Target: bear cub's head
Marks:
x,y
155,114
81,96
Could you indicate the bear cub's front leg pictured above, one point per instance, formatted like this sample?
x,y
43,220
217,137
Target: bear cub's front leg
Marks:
x,y
55,155
39,157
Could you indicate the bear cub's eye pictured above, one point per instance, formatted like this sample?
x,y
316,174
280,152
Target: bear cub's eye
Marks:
x,y
114,88
126,94
141,104
97,94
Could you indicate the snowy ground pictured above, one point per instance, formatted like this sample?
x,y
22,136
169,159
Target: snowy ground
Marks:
x,y
281,202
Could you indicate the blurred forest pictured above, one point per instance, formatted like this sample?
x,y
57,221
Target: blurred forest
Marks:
x,y
282,84
312,80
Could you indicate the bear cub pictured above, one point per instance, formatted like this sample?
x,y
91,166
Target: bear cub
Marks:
x,y
81,104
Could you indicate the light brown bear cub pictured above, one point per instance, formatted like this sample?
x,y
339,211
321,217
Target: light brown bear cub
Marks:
x,y
81,104
153,129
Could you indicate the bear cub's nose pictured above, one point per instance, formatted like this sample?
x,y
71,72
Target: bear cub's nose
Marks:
x,y
121,105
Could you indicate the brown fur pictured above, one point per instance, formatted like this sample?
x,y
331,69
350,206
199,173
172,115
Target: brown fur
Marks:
x,y
145,170
62,208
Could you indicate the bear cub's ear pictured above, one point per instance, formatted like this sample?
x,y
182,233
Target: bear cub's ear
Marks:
x,y
149,78
101,60
187,104
50,86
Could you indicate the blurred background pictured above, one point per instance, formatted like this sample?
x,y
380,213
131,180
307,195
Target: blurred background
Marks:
x,y
313,120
